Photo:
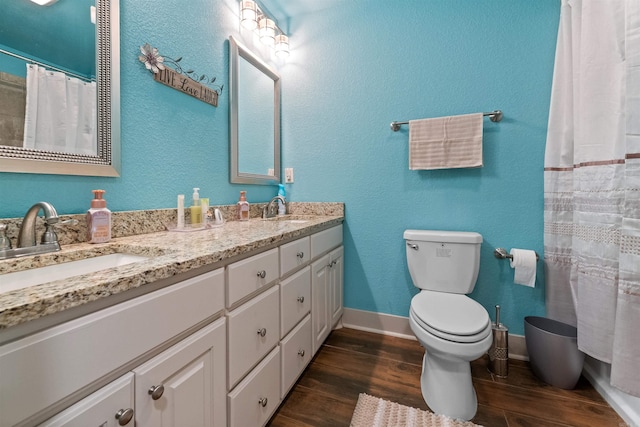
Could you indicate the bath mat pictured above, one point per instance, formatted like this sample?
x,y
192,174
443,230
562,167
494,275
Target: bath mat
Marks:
x,y
375,412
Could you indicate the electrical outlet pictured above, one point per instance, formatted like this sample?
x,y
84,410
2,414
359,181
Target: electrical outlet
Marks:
x,y
271,172
288,175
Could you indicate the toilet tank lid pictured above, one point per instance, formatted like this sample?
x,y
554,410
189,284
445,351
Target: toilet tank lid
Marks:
x,y
443,236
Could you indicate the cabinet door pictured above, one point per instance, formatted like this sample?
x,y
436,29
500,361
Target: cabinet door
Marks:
x,y
320,278
110,406
185,385
336,287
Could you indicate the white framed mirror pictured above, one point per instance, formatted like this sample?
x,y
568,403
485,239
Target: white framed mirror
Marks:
x,y
254,118
25,43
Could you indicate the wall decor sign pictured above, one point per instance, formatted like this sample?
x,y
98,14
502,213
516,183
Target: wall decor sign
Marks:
x,y
188,81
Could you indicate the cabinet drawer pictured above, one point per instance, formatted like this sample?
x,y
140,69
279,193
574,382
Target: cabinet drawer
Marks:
x,y
295,299
296,354
294,254
39,370
325,240
249,275
247,345
255,399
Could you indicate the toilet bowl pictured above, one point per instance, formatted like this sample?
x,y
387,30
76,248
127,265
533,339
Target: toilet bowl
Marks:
x,y
453,328
446,372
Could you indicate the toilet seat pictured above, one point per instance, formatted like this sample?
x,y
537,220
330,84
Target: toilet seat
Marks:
x,y
453,317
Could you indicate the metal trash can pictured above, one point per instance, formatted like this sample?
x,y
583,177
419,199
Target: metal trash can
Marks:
x,y
499,350
553,351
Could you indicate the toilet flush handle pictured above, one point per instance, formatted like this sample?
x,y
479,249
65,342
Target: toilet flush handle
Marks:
x,y
413,246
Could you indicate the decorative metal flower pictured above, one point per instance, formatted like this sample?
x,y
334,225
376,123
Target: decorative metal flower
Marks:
x,y
151,58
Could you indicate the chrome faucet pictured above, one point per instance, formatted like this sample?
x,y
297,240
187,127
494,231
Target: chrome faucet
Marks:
x,y
27,235
269,211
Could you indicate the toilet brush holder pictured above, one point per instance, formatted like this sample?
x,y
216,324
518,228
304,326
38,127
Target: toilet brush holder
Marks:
x,y
499,350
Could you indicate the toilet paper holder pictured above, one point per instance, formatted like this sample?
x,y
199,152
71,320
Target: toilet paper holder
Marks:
x,y
501,253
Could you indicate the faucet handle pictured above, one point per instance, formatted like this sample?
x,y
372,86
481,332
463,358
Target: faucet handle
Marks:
x,y
5,243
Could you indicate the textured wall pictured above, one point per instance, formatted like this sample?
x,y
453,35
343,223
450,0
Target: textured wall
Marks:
x,y
171,142
357,66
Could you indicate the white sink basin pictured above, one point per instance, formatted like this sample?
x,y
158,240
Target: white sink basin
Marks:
x,y
50,273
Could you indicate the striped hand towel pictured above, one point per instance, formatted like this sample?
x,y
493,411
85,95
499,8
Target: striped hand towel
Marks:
x,y
446,142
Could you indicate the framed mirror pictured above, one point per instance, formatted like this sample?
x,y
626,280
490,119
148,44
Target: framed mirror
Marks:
x,y
255,118
47,39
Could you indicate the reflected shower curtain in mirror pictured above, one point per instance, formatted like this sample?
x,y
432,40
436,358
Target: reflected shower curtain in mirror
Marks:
x,y
592,183
60,113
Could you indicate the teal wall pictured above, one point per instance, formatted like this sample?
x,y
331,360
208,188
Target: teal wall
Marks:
x,y
355,66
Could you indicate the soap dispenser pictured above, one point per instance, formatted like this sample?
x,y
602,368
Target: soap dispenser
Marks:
x,y
98,219
196,208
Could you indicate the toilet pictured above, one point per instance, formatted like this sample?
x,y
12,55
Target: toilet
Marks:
x,y
453,328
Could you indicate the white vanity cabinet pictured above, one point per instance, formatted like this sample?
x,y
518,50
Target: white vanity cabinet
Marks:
x,y
41,371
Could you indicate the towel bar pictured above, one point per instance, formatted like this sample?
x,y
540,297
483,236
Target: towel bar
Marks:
x,y
494,116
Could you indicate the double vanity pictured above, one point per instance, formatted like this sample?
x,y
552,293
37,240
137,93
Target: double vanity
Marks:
x,y
207,328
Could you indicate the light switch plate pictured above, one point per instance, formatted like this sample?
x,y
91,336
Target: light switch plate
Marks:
x,y
288,175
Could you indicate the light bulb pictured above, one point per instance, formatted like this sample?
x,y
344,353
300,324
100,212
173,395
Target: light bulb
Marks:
x,y
267,31
282,46
248,14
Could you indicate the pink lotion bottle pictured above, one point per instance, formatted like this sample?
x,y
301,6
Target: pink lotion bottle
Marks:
x,y
98,219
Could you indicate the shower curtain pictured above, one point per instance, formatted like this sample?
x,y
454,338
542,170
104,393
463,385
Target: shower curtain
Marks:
x,y
60,113
592,183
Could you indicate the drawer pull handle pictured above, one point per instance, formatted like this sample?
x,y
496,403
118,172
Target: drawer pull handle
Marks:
x,y
300,254
301,352
262,274
301,299
156,391
124,416
262,332
263,401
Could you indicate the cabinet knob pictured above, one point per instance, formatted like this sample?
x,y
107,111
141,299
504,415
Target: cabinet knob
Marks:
x,y
301,352
262,332
156,391
262,274
301,299
300,254
263,401
124,416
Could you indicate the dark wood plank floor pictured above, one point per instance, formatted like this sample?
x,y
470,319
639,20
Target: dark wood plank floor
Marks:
x,y
352,362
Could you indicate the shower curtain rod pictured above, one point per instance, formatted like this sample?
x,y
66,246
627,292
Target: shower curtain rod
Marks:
x,y
494,116
33,61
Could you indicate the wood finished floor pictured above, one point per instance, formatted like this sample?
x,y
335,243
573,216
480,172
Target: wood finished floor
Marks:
x,y
352,362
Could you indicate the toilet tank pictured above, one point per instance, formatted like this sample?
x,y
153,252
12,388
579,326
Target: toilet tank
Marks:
x,y
445,261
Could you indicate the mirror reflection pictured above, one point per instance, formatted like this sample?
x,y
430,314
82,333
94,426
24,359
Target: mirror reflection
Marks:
x,y
255,118
57,112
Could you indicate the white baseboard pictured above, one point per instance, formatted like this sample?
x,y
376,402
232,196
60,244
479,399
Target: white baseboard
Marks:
x,y
398,326
599,375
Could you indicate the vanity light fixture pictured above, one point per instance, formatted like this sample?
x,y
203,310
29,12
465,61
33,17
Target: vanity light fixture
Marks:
x,y
267,31
44,2
254,18
248,14
282,46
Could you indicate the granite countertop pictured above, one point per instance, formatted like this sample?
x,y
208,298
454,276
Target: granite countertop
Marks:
x,y
171,253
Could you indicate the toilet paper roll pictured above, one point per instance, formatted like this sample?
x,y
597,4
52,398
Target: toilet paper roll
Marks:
x,y
524,263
